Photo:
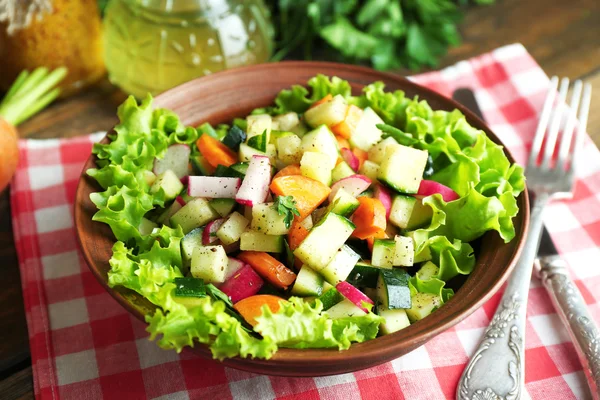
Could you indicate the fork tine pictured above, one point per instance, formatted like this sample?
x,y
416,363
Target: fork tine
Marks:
x,y
555,124
543,123
565,144
581,128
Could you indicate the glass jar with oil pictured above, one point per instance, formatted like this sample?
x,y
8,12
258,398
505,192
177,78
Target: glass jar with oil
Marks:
x,y
153,45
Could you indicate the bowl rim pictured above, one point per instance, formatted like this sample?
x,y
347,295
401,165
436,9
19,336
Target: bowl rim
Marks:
x,y
286,357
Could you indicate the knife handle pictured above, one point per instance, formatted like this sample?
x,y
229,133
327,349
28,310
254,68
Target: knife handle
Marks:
x,y
573,311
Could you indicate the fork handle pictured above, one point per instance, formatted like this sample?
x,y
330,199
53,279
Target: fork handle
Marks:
x,y
496,369
571,307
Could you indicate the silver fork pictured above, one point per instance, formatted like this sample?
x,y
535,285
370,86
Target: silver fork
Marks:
x,y
496,370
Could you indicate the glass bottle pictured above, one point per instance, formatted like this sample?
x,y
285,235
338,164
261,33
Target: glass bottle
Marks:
x,y
68,35
153,45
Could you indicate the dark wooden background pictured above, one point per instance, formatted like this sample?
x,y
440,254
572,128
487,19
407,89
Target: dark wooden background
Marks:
x,y
563,36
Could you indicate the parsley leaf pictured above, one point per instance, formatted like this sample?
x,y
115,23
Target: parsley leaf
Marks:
x,y
387,33
286,205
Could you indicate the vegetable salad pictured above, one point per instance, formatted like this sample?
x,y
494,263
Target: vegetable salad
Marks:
x,y
323,220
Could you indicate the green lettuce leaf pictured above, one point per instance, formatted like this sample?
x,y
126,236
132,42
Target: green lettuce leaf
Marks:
x,y
116,175
162,247
432,285
187,136
391,106
207,322
453,256
464,159
122,209
298,324
298,99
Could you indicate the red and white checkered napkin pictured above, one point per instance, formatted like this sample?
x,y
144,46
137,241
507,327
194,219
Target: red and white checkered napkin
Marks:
x,y
85,346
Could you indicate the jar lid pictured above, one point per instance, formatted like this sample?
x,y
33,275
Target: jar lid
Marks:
x,y
20,13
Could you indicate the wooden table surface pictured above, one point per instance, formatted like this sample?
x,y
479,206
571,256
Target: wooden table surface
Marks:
x,y
564,37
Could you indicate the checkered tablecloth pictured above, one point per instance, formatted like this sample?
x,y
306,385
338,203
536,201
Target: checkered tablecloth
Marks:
x,y
85,346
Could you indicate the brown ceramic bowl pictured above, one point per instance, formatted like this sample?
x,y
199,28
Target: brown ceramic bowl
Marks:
x,y
221,97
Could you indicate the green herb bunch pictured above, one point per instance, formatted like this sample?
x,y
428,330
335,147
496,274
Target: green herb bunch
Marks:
x,y
388,34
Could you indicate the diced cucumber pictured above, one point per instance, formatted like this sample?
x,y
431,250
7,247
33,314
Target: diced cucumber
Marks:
x,y
316,166
189,302
201,166
405,251
323,242
258,142
428,271
272,153
246,152
308,283
343,203
146,226
301,129
266,219
363,275
209,263
367,134
168,183
194,214
377,152
330,298
277,134
189,243
321,140
402,207
343,309
366,193
383,253
402,168
409,212
186,197
287,121
223,207
168,213
327,286
423,304
241,168
257,241
257,124
392,289
328,113
424,254
395,320
341,171
234,137
289,149
232,229
149,177
369,169
341,266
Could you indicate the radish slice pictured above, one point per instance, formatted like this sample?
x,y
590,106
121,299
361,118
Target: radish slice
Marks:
x,y
209,235
181,201
385,196
244,283
350,158
354,184
255,186
176,159
427,188
233,266
184,180
213,187
354,295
